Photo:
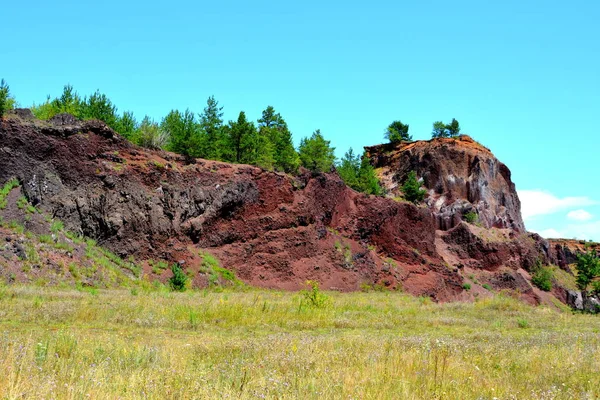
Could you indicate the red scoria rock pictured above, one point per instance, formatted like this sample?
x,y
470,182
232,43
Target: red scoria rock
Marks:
x,y
272,229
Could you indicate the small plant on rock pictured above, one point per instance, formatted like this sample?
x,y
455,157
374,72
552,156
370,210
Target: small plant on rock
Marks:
x,y
178,282
412,189
542,278
471,217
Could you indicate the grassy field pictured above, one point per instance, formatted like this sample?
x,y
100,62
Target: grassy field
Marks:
x,y
69,344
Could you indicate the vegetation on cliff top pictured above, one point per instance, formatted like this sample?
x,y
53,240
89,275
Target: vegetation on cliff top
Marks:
x,y
7,102
267,144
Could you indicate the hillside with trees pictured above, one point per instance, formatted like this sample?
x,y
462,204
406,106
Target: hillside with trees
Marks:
x,y
267,143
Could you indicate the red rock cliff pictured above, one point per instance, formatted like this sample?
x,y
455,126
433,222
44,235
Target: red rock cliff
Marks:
x,y
461,176
276,230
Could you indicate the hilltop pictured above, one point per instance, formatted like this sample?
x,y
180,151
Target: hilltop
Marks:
x,y
275,230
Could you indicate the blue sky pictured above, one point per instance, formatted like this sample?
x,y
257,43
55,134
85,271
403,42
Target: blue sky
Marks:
x,y
522,77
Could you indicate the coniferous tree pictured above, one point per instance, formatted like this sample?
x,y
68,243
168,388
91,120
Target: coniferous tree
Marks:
x,y
316,154
69,102
242,141
211,123
264,151
126,126
6,101
273,126
453,128
397,132
412,189
98,106
439,130
183,132
349,168
367,179
358,173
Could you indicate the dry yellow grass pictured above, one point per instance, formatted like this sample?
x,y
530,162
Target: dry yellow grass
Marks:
x,y
67,344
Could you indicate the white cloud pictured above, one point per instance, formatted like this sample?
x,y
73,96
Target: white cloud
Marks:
x,y
551,234
581,231
584,231
539,202
579,215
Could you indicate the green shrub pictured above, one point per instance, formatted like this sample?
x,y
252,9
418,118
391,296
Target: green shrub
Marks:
x,y
56,226
45,239
178,282
487,287
522,323
588,268
412,189
313,296
466,286
471,217
542,278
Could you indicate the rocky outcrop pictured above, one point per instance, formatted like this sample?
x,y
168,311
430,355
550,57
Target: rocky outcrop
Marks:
x,y
276,230
565,251
461,176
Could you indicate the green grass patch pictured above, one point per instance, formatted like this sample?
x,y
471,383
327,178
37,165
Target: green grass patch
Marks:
x,y
57,226
5,190
261,344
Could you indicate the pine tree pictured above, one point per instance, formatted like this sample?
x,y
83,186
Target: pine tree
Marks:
x,y
211,123
397,132
439,130
69,102
453,128
273,126
242,140
358,173
412,189
316,154
127,126
98,106
349,168
183,131
264,151
5,99
367,180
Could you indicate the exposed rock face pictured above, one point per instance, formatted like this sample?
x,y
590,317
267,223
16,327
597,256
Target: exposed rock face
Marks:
x,y
272,229
275,230
461,177
565,251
